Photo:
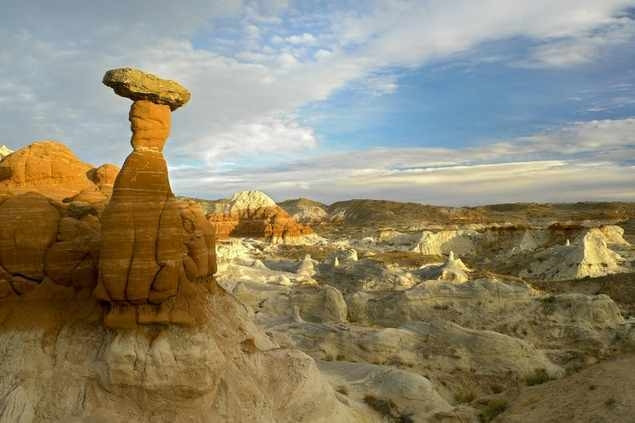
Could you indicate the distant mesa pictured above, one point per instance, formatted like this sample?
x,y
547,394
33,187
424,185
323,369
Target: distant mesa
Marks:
x,y
254,214
138,85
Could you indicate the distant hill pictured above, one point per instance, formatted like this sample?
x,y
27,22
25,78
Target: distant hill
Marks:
x,y
393,213
374,214
306,211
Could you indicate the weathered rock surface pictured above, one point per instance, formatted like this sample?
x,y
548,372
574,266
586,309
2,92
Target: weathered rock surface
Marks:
x,y
442,242
413,396
225,370
138,85
587,256
52,169
254,214
601,393
305,211
4,151
157,257
173,346
453,270
44,241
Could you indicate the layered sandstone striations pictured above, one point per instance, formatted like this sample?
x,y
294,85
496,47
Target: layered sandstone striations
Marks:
x,y
254,214
157,256
52,169
156,265
45,246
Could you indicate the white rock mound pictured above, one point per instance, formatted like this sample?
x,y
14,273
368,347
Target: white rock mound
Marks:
x,y
588,256
248,200
305,211
614,235
4,151
442,242
63,366
453,270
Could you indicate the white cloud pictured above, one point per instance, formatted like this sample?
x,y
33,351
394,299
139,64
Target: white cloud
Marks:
x,y
305,38
581,48
581,161
271,135
246,91
409,32
380,84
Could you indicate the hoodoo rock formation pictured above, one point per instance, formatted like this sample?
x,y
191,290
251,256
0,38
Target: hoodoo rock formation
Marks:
x,y
157,253
176,347
254,214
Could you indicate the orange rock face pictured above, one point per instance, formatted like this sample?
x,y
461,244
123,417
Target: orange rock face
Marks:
x,y
271,223
51,168
122,235
42,240
157,253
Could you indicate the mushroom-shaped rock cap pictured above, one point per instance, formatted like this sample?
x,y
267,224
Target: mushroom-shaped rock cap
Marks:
x,y
138,85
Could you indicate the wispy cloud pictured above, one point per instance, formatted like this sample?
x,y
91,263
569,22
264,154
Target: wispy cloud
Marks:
x,y
252,64
561,52
581,161
245,77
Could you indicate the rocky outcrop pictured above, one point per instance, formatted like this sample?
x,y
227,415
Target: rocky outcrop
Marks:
x,y
45,243
453,270
157,256
587,256
52,169
4,151
442,242
602,392
306,211
613,235
61,365
254,214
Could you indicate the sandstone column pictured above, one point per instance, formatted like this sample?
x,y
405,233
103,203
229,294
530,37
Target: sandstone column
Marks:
x,y
148,270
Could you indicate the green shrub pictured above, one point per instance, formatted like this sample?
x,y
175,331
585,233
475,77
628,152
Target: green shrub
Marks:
x,y
492,409
388,409
464,397
539,377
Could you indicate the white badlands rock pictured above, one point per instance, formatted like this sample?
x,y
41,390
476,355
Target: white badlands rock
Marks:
x,y
453,270
4,151
614,235
249,200
412,394
441,243
307,267
588,256
62,366
344,255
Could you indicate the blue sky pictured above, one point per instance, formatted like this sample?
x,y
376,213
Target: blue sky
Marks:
x,y
440,102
